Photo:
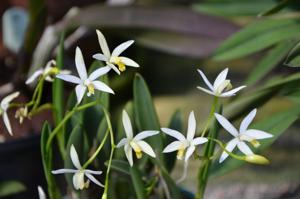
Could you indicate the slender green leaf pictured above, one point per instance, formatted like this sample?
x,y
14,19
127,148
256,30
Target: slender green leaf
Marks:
x,y
138,184
121,166
270,61
47,163
276,8
11,187
293,58
275,125
257,36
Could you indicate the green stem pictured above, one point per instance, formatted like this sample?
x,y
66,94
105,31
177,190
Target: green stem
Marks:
x,y
211,114
40,108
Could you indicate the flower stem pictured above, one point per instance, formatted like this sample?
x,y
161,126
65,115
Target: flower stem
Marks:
x,y
211,114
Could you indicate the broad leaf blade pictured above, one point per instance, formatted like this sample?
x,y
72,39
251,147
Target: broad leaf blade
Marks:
x,y
11,187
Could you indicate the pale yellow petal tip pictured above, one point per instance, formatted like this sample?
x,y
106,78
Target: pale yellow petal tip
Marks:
x,y
257,159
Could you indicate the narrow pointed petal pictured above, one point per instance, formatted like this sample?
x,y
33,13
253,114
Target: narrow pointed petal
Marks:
x,y
41,192
127,124
34,76
102,87
247,120
93,172
80,65
6,100
173,146
174,133
120,48
114,68
189,152
80,90
220,78
206,91
199,140
229,147
7,123
257,134
206,81
145,134
226,125
122,143
100,57
78,180
99,72
129,62
191,126
128,153
69,78
61,171
146,148
94,180
74,157
103,43
232,92
243,147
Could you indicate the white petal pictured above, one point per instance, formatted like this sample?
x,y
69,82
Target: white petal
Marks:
x,y
206,91
103,43
65,72
191,126
100,57
94,180
120,48
7,123
247,120
257,134
226,125
206,80
173,146
232,92
34,76
229,147
93,172
199,140
80,90
80,65
74,157
145,134
174,133
127,124
99,72
78,180
6,100
102,87
114,68
244,148
122,143
220,78
146,148
69,78
128,153
61,171
189,152
42,194
129,62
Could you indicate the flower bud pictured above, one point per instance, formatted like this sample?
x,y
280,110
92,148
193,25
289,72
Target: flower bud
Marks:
x,y
257,159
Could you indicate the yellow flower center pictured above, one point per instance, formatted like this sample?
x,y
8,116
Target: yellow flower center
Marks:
x,y
253,141
226,85
137,149
118,61
21,113
181,152
91,89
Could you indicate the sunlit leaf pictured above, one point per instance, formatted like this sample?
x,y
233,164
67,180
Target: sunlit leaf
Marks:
x,y
10,188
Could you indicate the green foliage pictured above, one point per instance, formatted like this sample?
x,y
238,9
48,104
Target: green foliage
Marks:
x,y
11,187
293,58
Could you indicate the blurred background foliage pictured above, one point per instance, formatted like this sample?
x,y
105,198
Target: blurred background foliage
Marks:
x,y
257,39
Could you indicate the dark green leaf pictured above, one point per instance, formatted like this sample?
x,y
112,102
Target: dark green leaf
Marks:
x,y
293,58
138,184
10,188
120,165
257,36
276,8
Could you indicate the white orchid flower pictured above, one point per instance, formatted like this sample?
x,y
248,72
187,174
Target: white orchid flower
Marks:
x,y
79,172
48,72
4,105
220,85
242,136
184,145
114,58
84,81
136,143
42,194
